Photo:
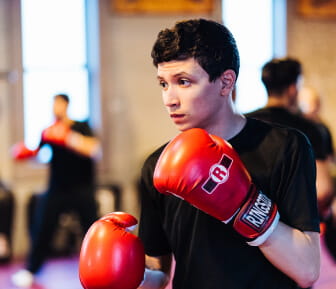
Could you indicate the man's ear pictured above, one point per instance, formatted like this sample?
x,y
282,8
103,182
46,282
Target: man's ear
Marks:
x,y
228,79
292,89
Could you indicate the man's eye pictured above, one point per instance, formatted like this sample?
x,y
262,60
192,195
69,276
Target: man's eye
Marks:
x,y
184,82
163,84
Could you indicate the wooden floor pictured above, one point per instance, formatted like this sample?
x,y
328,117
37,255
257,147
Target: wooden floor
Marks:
x,y
62,273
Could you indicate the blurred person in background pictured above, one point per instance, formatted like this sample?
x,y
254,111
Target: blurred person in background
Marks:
x,y
310,104
7,207
71,184
282,79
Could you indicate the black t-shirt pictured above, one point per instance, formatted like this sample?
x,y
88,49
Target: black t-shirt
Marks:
x,y
309,128
69,169
329,147
210,254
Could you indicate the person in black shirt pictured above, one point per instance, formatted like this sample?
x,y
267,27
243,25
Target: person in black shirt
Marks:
x,y
309,104
197,65
281,78
71,184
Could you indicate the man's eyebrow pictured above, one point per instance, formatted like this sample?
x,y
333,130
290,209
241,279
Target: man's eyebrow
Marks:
x,y
182,73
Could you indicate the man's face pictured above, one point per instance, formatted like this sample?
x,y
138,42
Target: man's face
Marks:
x,y
191,100
60,108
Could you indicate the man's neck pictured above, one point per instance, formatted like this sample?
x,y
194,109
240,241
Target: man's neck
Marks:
x,y
275,101
230,127
65,120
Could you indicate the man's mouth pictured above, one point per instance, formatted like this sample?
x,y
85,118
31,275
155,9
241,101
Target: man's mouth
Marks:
x,y
176,116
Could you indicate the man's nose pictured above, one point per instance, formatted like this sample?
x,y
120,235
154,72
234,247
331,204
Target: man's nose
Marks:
x,y
170,97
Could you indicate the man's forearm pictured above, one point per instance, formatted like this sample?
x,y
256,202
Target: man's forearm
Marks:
x,y
295,253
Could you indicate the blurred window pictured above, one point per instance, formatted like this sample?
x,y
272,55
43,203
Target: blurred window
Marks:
x,y
260,32
54,61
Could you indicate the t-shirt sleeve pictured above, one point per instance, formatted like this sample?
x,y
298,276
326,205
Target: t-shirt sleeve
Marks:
x,y
318,141
82,128
151,231
294,180
328,139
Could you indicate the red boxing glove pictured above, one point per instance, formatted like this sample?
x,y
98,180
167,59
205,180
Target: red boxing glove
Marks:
x,y
207,172
56,134
19,151
110,256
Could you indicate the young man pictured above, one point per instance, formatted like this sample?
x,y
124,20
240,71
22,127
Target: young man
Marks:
x,y
197,67
71,184
281,78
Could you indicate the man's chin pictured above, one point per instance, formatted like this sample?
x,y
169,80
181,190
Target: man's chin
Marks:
x,y
185,127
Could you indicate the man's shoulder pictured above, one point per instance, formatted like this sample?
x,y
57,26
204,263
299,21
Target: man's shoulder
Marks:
x,y
272,114
284,117
271,131
268,126
82,127
152,158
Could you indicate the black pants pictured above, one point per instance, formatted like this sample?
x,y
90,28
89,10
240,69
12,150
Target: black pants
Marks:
x,y
6,218
46,216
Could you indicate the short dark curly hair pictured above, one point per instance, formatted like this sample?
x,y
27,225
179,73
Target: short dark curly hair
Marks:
x,y
65,97
209,42
279,73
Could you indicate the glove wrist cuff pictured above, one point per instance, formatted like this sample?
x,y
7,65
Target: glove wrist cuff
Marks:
x,y
153,279
262,238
